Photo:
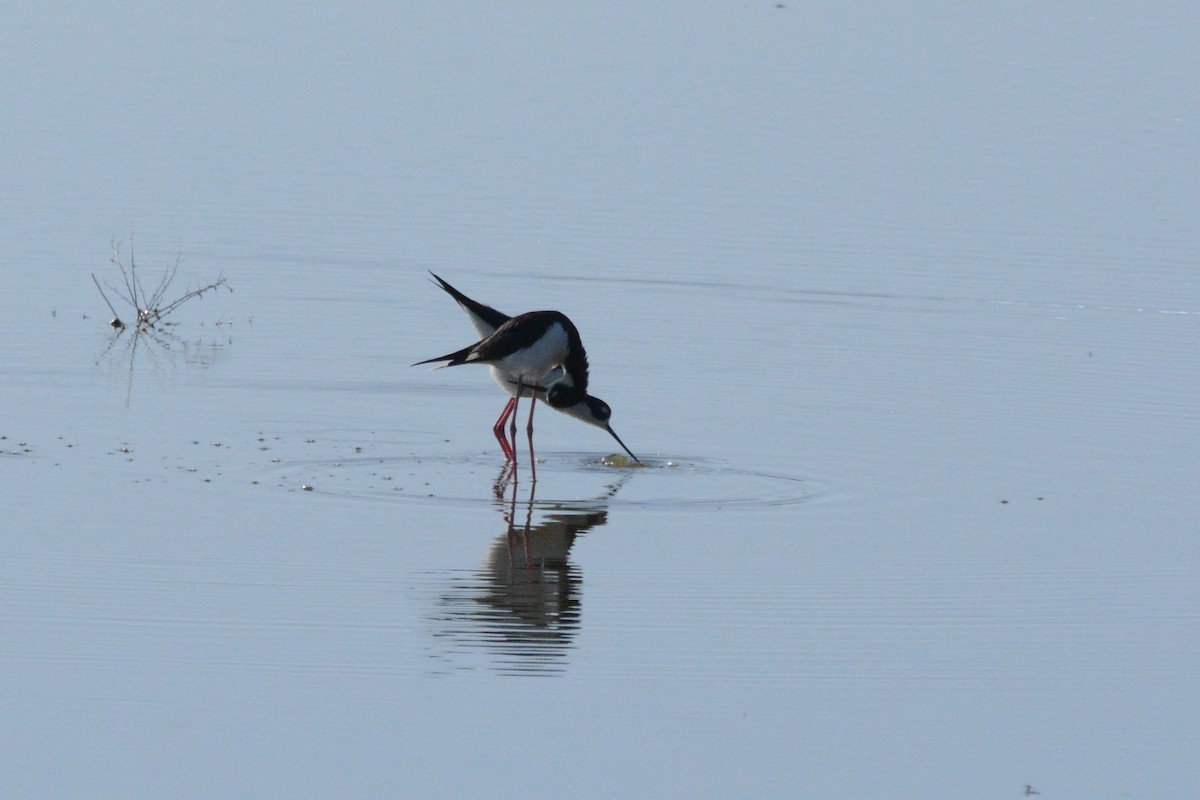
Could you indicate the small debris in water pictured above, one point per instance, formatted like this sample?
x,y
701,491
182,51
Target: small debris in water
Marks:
x,y
618,460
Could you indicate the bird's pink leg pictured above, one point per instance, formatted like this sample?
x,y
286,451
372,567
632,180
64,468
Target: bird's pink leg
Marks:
x,y
529,432
512,427
498,430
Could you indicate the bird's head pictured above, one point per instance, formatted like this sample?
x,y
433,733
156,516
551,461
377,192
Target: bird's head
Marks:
x,y
593,411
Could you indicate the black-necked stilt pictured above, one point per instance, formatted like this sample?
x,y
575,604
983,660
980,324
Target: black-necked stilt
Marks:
x,y
537,354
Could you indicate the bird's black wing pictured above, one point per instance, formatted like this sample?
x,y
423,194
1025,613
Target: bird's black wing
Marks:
x,y
482,317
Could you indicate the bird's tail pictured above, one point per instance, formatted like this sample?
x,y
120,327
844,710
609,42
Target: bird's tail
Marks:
x,y
451,359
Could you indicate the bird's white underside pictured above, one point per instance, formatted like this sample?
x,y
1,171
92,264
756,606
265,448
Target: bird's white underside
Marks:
x,y
540,364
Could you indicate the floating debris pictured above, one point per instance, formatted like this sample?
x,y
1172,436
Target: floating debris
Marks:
x,y
620,461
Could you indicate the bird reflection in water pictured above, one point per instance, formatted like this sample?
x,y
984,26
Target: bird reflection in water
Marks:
x,y
521,608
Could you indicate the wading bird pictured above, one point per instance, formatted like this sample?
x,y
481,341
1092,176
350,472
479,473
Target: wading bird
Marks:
x,y
538,355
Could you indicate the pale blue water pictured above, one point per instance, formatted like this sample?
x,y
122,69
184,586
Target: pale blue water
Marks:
x,y
899,306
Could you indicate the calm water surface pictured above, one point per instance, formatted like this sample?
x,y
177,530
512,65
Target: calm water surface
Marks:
x,y
900,309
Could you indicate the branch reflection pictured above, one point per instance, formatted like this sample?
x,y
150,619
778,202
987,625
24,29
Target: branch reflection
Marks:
x,y
161,347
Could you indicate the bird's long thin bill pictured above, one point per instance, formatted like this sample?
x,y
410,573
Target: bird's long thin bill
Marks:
x,y
618,438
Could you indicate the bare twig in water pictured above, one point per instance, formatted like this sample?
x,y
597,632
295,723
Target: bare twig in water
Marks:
x,y
152,308
116,320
